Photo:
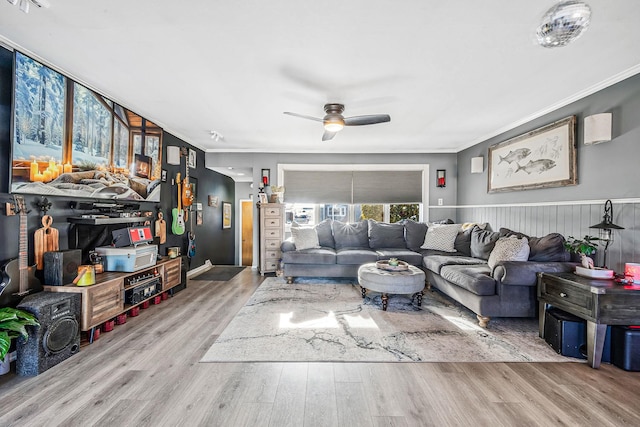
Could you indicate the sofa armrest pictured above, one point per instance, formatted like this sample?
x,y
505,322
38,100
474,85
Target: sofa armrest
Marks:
x,y
288,246
524,273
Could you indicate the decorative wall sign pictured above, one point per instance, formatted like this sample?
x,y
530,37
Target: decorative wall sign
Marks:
x,y
164,175
213,201
226,215
542,158
192,158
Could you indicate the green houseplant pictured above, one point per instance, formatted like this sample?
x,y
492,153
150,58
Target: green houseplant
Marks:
x,y
583,247
13,323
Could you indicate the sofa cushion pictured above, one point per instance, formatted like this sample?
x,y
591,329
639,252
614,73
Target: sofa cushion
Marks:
x,y
325,234
414,233
384,235
441,237
436,262
355,256
304,237
462,243
482,242
351,235
509,249
474,278
310,256
549,248
405,255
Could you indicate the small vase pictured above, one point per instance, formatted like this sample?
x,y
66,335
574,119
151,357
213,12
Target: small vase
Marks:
x,y
586,261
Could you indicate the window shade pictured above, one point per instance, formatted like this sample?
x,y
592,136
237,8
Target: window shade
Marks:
x,y
353,186
317,186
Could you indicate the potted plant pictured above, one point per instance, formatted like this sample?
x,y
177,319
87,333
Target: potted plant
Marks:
x,y
13,323
585,248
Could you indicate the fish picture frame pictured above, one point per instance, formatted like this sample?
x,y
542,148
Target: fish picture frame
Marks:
x,y
542,158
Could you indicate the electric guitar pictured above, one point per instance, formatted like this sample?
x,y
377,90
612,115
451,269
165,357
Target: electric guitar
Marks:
x,y
177,225
192,244
18,279
187,190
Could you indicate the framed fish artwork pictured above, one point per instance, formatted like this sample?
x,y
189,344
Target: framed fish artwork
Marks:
x,y
542,158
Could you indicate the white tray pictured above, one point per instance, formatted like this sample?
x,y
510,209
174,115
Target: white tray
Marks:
x,y
595,273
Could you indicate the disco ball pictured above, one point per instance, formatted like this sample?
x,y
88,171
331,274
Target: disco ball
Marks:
x,y
563,23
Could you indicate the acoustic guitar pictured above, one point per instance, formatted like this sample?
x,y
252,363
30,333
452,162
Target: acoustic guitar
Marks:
x,y
177,224
18,278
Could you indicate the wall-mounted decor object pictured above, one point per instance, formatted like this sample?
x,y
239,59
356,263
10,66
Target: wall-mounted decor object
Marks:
x,y
542,158
597,128
199,218
441,178
266,178
173,155
213,201
163,175
477,164
226,215
192,158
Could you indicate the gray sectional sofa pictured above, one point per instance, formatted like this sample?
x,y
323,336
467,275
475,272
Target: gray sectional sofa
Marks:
x,y
500,288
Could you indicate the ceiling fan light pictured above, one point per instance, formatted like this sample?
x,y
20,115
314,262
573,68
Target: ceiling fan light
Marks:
x,y
13,2
563,23
24,6
333,124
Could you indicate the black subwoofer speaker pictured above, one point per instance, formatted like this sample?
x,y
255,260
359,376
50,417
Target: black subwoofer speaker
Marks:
x,y
58,336
61,267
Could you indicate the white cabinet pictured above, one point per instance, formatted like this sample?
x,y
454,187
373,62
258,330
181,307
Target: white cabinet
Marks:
x,y
271,235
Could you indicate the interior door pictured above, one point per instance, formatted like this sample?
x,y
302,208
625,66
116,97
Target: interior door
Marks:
x,y
247,233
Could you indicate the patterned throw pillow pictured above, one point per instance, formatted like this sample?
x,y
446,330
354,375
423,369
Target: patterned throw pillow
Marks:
x,y
441,237
509,249
305,237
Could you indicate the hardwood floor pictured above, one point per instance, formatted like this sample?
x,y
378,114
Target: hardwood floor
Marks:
x,y
146,373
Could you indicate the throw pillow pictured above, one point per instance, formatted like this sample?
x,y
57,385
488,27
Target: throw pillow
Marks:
x,y
441,237
325,235
462,243
549,248
414,233
383,235
351,235
305,237
509,249
482,242
469,225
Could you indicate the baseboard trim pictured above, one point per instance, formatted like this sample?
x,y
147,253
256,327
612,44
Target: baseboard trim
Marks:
x,y
199,270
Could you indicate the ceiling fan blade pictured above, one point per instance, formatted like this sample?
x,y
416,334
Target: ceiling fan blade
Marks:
x,y
328,135
367,120
303,116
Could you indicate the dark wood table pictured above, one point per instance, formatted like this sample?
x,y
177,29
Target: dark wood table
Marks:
x,y
599,302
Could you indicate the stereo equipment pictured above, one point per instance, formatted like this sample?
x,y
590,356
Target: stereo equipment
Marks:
x,y
61,267
58,336
142,286
567,335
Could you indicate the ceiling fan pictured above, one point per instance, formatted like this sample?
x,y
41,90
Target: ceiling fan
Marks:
x,y
334,121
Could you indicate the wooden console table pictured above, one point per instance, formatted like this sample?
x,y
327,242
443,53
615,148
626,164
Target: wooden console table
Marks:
x,y
599,302
105,299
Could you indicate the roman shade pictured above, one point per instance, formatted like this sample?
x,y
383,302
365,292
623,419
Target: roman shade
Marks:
x,y
353,187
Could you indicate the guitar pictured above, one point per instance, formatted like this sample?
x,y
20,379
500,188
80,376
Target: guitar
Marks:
x,y
18,279
187,189
177,225
191,252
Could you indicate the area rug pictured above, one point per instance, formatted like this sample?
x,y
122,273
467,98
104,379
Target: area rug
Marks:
x,y
324,320
220,273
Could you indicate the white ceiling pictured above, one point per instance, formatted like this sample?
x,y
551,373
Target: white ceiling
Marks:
x,y
450,73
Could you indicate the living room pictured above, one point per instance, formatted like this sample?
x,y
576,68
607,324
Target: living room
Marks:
x,y
111,380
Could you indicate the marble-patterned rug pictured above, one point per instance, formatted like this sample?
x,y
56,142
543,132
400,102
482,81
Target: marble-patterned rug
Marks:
x,y
328,320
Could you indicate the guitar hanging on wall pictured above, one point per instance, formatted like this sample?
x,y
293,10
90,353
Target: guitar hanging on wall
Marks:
x,y
177,224
18,278
187,188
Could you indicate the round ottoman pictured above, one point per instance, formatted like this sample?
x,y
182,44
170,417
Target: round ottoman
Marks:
x,y
410,281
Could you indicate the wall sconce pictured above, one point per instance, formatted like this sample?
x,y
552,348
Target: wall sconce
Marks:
x,y
477,164
441,178
597,128
605,229
173,155
266,177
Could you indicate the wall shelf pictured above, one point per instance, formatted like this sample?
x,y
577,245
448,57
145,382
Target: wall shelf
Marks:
x,y
108,221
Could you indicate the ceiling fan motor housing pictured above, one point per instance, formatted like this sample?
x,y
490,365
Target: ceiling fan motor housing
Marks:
x,y
333,120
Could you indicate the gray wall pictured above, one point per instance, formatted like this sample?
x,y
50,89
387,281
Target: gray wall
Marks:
x,y
605,171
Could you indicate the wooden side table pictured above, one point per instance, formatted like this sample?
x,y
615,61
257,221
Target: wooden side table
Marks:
x,y
599,302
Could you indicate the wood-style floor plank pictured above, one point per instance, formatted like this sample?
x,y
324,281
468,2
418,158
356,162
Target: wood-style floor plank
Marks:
x,y
147,373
